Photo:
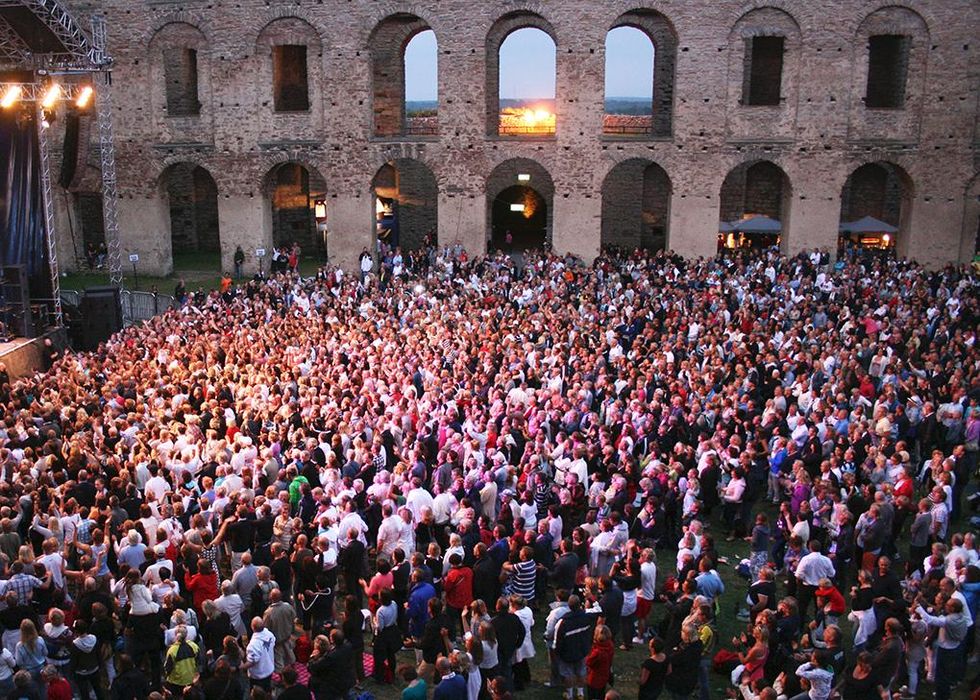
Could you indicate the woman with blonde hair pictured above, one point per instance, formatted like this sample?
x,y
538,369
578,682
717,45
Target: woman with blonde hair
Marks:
x,y
56,636
31,653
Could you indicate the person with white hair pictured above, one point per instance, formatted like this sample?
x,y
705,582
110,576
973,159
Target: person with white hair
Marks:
x,y
230,602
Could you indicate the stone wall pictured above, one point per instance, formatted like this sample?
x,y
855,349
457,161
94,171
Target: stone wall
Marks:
x,y
819,133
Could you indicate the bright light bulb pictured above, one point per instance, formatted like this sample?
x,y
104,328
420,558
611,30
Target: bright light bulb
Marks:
x,y
51,96
84,97
10,96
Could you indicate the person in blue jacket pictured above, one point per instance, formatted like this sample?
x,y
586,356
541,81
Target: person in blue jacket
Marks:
x,y
418,603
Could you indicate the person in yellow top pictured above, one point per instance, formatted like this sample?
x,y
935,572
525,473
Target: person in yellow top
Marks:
x,y
706,633
180,663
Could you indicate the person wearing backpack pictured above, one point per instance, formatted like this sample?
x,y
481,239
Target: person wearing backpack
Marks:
x,y
180,663
573,640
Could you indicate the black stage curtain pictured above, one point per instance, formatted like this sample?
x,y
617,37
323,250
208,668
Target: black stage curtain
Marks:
x,y
23,240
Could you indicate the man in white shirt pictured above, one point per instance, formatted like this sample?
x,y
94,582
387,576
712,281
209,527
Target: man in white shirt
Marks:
x,y
389,532
260,660
812,567
157,486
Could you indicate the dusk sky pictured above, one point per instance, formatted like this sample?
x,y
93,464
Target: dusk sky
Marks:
x,y
527,65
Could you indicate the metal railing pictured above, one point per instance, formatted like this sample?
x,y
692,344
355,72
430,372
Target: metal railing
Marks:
x,y
142,306
520,130
627,130
136,306
422,126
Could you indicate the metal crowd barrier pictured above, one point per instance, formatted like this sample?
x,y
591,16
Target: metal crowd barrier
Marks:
x,y
142,306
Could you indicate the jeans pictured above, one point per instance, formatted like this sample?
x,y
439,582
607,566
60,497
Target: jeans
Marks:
x,y
949,670
704,668
88,683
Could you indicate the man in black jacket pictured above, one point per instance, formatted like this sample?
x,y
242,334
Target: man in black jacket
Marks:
x,y
486,576
565,568
611,604
510,636
573,640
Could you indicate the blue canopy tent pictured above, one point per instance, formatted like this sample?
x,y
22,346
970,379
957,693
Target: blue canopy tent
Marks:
x,y
758,224
867,224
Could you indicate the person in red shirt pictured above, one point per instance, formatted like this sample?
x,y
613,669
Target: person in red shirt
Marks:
x,y
830,604
203,585
458,585
599,663
58,688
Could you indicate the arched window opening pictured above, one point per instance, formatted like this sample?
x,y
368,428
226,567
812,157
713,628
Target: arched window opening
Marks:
x,y
422,85
629,88
527,84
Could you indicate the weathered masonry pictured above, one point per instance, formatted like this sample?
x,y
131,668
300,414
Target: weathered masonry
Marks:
x,y
234,119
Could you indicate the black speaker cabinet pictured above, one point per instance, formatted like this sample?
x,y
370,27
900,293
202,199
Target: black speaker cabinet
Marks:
x,y
101,315
15,306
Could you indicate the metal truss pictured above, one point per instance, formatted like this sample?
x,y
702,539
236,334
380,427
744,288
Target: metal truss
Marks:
x,y
79,52
13,50
47,199
34,92
107,152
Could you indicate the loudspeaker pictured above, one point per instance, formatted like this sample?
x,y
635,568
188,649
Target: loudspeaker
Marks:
x,y
16,301
101,315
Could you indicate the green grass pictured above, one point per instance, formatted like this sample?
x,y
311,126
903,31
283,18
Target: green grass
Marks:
x,y
197,270
626,664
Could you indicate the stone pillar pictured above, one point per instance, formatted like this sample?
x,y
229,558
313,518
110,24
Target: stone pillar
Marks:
x,y
934,230
246,221
349,229
144,229
813,223
462,217
576,225
693,230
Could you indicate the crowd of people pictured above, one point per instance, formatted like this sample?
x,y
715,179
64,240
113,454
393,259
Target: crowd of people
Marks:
x,y
490,473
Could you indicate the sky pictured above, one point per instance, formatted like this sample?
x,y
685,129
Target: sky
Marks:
x,y
527,65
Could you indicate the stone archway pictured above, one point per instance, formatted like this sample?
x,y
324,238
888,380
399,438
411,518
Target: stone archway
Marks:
x,y
406,201
635,206
520,199
191,197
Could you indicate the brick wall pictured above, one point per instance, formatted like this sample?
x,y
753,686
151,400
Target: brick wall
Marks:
x,y
818,135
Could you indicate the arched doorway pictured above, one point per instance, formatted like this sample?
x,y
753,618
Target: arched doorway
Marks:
x,y
406,200
875,208
520,195
192,200
755,201
635,206
297,196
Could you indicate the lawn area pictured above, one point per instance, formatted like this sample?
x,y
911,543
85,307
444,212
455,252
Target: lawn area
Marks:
x,y
198,270
626,664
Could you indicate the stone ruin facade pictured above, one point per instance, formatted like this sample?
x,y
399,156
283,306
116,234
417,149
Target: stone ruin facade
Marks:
x,y
233,119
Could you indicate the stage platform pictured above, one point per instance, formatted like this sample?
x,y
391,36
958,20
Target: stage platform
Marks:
x,y
23,356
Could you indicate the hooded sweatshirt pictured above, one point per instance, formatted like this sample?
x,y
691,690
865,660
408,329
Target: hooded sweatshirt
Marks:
x,y
261,655
84,658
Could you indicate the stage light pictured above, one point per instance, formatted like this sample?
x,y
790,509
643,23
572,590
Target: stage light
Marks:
x,y
84,97
51,96
886,239
517,207
10,96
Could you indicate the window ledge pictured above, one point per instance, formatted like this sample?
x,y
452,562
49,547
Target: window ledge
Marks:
x,y
403,138
522,137
663,138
